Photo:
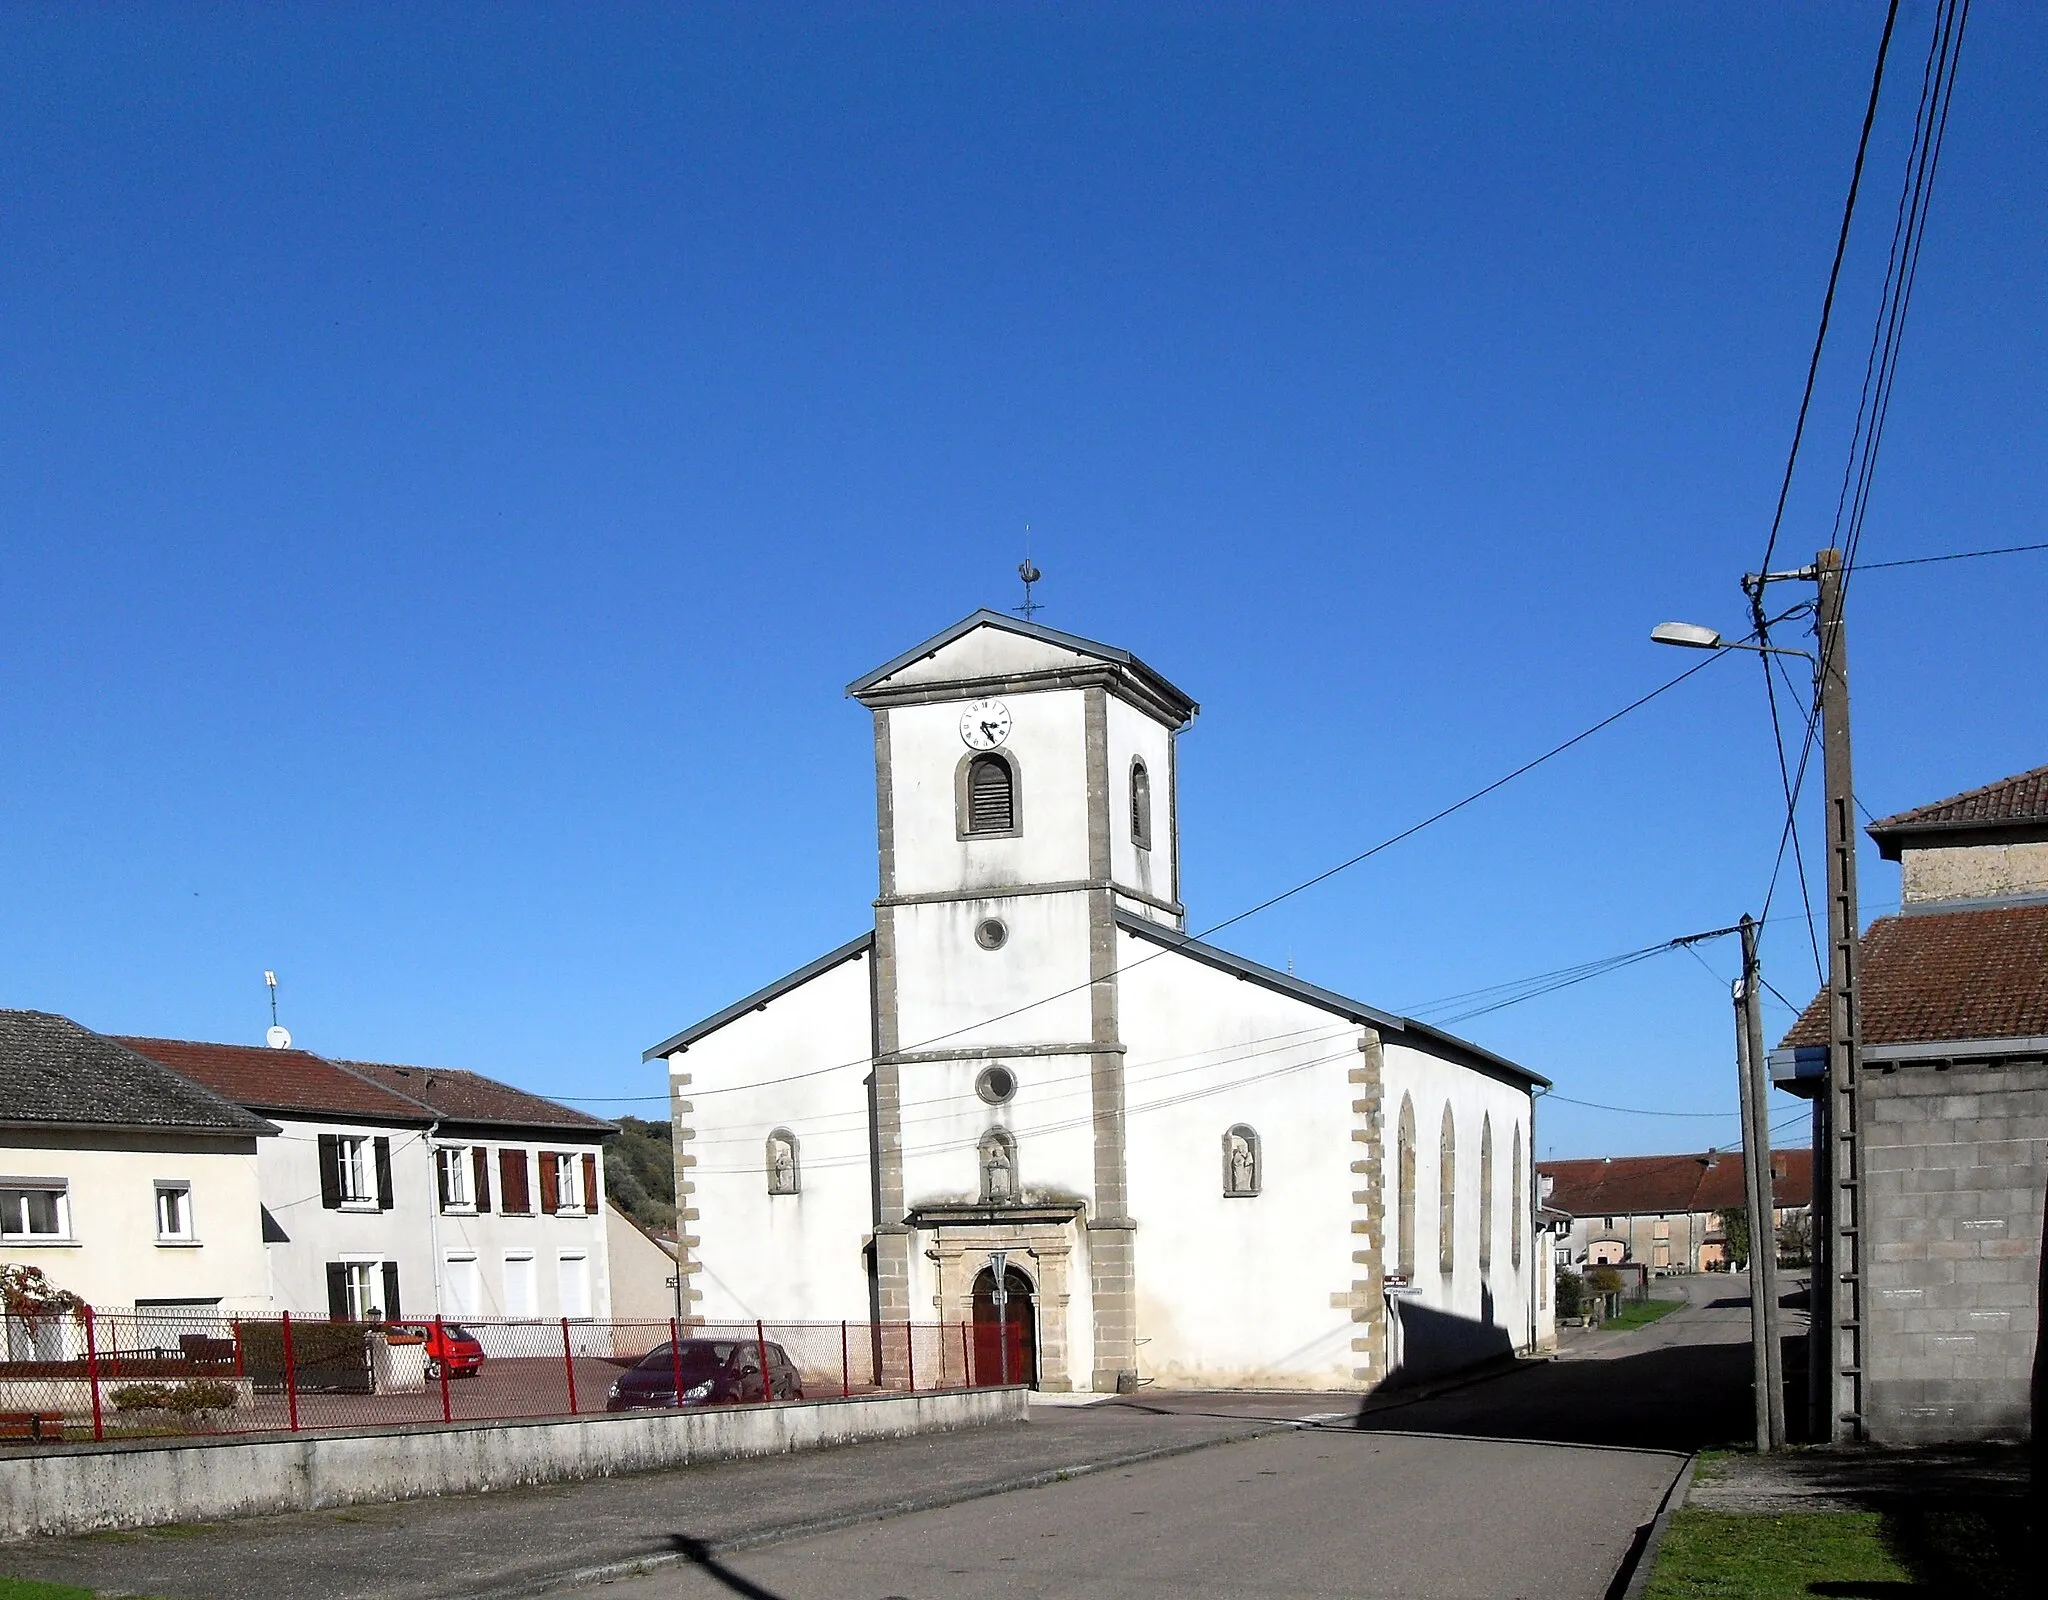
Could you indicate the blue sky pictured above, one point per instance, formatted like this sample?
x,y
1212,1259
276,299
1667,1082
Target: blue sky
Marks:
x,y
451,461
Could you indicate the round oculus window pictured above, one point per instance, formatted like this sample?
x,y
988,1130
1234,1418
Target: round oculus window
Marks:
x,y
996,1085
992,933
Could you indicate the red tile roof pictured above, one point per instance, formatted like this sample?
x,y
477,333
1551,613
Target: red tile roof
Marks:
x,y
1941,975
470,1097
284,1081
2018,803
1615,1186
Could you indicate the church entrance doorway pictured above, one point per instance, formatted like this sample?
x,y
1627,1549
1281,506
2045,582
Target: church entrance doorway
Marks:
x,y
1005,1336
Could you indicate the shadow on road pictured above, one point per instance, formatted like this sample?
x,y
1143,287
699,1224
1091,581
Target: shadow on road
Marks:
x,y
705,1559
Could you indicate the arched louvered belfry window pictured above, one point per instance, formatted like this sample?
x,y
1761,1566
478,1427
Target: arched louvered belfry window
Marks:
x,y
989,803
1141,806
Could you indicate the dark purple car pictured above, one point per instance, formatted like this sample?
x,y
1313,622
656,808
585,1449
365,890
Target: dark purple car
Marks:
x,y
712,1372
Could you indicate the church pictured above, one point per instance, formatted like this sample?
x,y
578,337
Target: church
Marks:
x,y
1028,1088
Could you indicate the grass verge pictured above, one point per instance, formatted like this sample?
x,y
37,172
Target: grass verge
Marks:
x,y
1953,1552
1641,1315
30,1589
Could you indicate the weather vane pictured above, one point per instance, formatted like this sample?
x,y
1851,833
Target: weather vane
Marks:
x,y
1030,574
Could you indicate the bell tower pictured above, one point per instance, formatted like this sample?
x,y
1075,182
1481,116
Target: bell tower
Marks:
x,y
1025,791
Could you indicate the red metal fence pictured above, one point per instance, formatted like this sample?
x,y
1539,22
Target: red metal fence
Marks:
x,y
108,1375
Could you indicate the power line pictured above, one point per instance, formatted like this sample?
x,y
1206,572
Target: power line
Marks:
x,y
1960,555
1827,304
1324,876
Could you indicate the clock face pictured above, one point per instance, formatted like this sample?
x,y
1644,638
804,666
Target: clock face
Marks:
x,y
985,724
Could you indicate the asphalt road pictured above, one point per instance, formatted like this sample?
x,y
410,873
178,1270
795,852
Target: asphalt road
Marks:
x,y
1533,1483
1299,1513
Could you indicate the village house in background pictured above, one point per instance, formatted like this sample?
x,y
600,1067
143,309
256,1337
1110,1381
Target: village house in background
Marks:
x,y
1666,1212
414,1191
1194,1170
125,1183
1953,1108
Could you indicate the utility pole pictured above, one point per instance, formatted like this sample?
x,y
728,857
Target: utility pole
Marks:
x,y
1843,1389
1765,1349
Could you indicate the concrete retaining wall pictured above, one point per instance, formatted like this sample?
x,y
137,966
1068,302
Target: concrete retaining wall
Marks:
x,y
79,1488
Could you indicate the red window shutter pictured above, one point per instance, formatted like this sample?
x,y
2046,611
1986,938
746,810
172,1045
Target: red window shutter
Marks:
x,y
550,1184
513,1195
590,1183
480,1163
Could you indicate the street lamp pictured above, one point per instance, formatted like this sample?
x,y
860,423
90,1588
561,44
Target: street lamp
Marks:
x,y
1697,636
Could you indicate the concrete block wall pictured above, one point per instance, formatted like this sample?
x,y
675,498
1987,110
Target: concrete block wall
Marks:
x,y
1955,1167
82,1488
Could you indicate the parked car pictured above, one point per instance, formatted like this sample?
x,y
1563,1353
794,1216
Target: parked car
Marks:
x,y
448,1343
712,1372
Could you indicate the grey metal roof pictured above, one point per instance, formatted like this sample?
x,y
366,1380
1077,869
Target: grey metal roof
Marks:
x,y
55,1073
985,618
1386,1022
759,999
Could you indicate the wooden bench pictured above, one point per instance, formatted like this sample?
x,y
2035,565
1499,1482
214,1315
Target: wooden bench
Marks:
x,y
31,1427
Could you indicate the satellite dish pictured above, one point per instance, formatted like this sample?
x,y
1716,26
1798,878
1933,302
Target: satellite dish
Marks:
x,y
278,1038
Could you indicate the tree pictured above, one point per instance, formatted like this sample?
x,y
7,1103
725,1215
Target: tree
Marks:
x,y
26,1292
1735,1225
640,1173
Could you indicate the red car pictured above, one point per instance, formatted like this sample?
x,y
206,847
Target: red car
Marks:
x,y
450,1343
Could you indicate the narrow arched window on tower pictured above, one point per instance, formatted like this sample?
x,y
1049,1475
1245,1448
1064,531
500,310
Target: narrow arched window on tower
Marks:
x,y
1404,1222
1515,1200
991,795
1486,1194
1141,806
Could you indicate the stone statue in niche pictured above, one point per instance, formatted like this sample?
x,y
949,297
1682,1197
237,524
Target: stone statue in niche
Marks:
x,y
781,1164
998,1171
1240,1162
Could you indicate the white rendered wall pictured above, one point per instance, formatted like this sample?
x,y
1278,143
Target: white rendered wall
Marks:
x,y
1135,736
952,994
1236,1292
1502,1295
113,1258
1048,746
315,1236
492,1237
792,1257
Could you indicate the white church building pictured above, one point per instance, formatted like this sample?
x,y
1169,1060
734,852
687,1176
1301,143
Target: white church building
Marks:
x,y
1203,1173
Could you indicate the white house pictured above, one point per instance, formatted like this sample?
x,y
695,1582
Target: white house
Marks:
x,y
1202,1172
412,1191
124,1183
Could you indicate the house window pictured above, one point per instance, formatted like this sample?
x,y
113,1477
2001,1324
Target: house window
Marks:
x,y
988,798
35,1209
461,1286
363,1289
515,1192
1141,806
174,1213
1241,1161
572,1276
355,1172
568,1183
520,1300
453,1169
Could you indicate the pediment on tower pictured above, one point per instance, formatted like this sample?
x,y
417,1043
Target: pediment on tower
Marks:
x,y
989,653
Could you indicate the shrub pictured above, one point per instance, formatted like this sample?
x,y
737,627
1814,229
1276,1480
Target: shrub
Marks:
x,y
188,1399
1571,1290
1604,1280
141,1397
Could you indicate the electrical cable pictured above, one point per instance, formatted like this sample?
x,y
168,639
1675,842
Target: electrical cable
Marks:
x,y
1827,305
1960,555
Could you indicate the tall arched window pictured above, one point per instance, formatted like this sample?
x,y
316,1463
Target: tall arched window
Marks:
x,y
1141,806
1516,1198
1486,1194
988,795
1404,1222
1447,1197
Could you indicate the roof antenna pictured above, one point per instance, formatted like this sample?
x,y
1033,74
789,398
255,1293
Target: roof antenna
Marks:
x,y
277,1037
1030,574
